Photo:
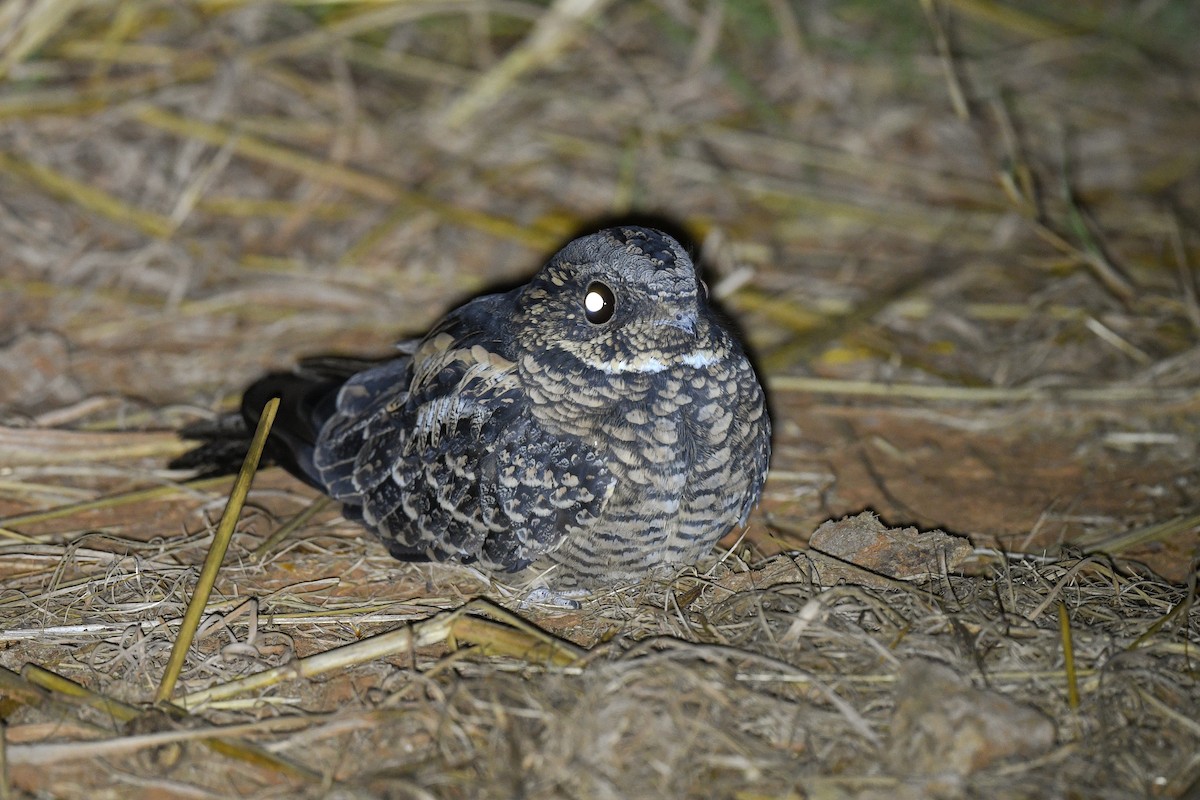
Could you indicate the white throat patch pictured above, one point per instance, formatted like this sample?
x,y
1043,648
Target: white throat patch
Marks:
x,y
697,359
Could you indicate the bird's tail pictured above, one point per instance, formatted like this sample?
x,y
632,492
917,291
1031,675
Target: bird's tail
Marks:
x,y
306,399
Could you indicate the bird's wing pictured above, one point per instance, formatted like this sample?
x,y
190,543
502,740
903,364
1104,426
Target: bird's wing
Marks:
x,y
445,460
361,417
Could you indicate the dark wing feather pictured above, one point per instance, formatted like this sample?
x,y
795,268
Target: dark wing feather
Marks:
x,y
362,431
306,396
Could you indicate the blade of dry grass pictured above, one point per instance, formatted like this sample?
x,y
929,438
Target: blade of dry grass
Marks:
x,y
271,542
86,196
56,752
119,712
1104,542
111,501
1090,249
53,682
27,26
343,177
958,97
370,18
1181,609
792,153
1067,577
1068,649
1013,19
73,100
515,637
794,202
1116,393
554,31
216,553
32,446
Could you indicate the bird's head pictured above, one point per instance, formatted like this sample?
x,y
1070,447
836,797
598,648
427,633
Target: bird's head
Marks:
x,y
622,301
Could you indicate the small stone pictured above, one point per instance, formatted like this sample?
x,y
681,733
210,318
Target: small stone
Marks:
x,y
944,727
899,553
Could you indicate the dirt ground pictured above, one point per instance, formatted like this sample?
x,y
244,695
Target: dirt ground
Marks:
x,y
960,238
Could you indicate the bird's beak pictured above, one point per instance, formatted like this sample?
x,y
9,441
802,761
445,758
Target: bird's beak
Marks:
x,y
684,321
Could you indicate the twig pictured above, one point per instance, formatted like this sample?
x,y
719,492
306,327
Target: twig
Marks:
x,y
958,98
216,553
87,196
982,394
310,511
551,35
516,637
1064,630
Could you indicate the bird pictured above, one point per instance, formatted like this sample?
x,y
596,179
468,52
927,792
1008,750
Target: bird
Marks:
x,y
597,424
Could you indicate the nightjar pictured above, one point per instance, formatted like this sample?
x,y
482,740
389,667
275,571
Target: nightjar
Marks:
x,y
598,422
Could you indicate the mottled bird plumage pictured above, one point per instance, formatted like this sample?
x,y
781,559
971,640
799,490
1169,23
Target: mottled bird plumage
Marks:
x,y
599,421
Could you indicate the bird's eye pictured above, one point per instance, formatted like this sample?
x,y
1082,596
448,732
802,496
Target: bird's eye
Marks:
x,y
599,303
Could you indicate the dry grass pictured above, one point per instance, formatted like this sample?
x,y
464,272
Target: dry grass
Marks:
x,y
732,682
946,228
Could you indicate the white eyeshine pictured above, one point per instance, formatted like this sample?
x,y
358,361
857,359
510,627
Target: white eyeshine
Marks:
x,y
593,302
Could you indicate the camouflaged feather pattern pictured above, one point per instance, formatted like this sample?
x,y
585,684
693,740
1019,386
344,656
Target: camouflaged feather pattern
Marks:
x,y
522,432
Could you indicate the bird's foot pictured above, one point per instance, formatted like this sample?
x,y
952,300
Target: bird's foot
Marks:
x,y
561,599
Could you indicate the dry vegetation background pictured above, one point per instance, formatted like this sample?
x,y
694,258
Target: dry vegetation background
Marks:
x,y
960,236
